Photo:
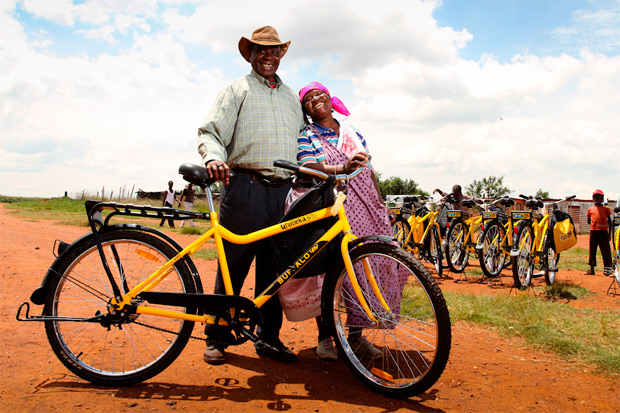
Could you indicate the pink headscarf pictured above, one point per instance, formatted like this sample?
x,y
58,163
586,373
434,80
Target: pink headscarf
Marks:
x,y
337,104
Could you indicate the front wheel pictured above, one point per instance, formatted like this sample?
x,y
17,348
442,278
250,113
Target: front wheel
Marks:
x,y
492,259
457,254
523,264
435,251
403,351
128,350
400,230
616,263
550,260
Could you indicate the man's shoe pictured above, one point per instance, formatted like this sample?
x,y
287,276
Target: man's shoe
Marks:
x,y
325,350
275,351
214,355
364,348
589,272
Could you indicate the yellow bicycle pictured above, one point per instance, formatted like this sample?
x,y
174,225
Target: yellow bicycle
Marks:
x,y
534,243
120,303
462,235
420,232
496,241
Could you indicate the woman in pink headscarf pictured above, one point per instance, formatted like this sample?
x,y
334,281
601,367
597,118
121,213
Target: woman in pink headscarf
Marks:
x,y
335,147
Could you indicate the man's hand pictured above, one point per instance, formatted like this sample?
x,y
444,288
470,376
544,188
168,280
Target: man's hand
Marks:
x,y
218,170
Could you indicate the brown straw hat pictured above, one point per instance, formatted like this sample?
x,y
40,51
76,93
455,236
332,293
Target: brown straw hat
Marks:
x,y
264,36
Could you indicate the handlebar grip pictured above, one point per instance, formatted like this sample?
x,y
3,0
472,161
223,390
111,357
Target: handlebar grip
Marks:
x,y
525,196
570,197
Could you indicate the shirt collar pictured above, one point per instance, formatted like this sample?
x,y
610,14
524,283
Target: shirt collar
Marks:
x,y
322,128
265,81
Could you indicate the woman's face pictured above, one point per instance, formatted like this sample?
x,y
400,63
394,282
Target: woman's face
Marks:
x,y
317,104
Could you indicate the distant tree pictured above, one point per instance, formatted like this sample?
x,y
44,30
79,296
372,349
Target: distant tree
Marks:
x,y
398,186
489,187
542,194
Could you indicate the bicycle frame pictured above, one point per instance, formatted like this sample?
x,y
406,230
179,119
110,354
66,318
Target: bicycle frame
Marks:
x,y
220,233
473,224
417,222
506,244
616,233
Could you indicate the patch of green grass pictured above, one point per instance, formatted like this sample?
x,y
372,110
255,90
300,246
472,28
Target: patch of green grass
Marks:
x,y
69,211
566,291
12,199
574,333
193,230
474,272
60,209
206,254
576,258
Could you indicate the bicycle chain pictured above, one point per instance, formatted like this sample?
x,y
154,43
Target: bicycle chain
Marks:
x,y
169,331
205,339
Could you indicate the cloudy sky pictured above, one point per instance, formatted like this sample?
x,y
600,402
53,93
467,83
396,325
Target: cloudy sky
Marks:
x,y
110,93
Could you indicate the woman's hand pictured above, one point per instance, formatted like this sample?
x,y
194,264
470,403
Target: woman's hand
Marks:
x,y
359,160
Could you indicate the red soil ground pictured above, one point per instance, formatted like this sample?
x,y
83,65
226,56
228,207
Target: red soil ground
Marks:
x,y
486,372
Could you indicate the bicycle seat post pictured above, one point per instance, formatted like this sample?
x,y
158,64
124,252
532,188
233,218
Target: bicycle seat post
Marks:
x,y
209,196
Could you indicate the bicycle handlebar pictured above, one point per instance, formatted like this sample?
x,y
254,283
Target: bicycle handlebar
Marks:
x,y
318,174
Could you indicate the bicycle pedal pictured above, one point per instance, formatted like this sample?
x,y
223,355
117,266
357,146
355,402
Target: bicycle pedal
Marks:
x,y
264,343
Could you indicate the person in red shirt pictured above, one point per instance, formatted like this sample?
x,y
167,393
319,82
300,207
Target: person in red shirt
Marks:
x,y
599,218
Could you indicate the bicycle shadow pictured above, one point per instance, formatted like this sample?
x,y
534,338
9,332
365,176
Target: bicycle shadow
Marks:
x,y
277,385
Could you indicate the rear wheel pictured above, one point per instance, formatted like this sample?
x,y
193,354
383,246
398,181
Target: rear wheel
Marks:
x,y
435,251
523,264
551,259
457,254
400,230
405,351
129,349
491,258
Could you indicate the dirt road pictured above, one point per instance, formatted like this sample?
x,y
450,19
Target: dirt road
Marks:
x,y
485,373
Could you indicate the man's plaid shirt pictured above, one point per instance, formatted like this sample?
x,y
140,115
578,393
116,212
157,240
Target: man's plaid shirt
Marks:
x,y
252,124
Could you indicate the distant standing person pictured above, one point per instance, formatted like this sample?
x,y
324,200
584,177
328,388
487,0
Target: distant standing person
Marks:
x,y
599,218
169,198
187,197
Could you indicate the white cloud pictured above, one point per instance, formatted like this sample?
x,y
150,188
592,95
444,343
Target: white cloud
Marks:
x,y
58,11
130,117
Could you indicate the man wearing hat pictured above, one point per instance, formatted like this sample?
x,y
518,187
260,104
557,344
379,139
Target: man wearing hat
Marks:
x,y
253,122
599,218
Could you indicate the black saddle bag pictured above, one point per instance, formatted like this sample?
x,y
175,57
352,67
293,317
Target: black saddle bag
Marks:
x,y
290,245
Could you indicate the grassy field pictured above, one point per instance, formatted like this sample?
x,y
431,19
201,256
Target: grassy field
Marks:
x,y
574,333
591,336
68,211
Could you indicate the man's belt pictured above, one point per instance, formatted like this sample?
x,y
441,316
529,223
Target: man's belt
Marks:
x,y
267,181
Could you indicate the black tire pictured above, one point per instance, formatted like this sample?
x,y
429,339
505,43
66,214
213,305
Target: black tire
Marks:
x,y
492,259
130,352
435,251
457,253
616,267
414,340
550,260
523,264
400,230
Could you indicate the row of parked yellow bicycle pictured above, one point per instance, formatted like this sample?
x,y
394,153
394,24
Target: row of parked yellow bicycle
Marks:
x,y
530,240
